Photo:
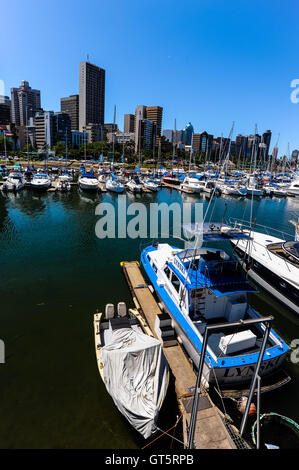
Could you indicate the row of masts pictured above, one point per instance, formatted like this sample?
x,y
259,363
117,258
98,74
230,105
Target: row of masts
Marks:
x,y
264,164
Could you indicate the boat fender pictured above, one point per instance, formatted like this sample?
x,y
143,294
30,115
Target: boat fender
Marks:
x,y
241,405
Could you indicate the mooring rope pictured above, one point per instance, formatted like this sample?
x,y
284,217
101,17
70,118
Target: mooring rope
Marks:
x,y
165,433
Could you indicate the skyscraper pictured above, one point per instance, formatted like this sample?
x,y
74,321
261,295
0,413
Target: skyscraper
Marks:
x,y
154,114
187,134
4,110
266,137
25,102
91,94
129,123
62,128
70,105
44,129
148,124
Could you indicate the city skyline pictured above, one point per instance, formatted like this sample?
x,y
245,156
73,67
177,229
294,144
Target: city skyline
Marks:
x,y
209,72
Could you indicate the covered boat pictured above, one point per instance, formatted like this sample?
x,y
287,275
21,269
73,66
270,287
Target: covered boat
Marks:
x,y
132,366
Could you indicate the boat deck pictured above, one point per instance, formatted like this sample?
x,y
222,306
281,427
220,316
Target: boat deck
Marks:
x,y
211,432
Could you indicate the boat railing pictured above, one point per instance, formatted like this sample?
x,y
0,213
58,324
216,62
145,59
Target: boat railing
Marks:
x,y
246,226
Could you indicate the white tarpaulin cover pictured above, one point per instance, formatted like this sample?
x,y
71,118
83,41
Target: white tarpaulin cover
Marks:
x,y
136,376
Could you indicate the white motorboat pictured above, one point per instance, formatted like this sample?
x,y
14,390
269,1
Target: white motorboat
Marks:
x,y
293,189
151,185
14,182
134,185
132,366
234,190
209,186
274,190
203,286
112,184
252,189
191,185
273,263
88,182
41,181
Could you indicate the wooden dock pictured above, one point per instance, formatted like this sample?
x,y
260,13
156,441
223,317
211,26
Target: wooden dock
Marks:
x,y
210,430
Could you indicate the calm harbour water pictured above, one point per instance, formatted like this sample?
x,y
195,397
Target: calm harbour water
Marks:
x,y
55,273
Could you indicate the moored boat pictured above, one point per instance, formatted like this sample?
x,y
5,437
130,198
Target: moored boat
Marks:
x,y
132,366
203,286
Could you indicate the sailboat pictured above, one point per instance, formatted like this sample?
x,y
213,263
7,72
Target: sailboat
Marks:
x,y
64,180
173,177
41,180
87,180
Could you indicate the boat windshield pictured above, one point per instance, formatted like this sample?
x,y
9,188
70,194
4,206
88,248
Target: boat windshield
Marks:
x,y
41,176
287,250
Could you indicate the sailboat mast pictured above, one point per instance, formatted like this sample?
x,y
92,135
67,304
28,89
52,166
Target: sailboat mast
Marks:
x,y
173,145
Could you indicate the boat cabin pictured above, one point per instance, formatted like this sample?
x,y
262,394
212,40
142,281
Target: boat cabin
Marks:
x,y
286,250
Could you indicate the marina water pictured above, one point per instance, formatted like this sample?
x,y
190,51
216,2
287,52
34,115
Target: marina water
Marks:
x,y
55,273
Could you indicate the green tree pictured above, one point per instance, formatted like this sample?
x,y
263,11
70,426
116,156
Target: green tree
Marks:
x,y
8,144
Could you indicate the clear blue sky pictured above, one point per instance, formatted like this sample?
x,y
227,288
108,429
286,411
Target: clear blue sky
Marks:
x,y
210,62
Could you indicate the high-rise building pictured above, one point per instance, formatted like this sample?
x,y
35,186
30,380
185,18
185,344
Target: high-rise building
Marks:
x,y
187,134
139,117
129,123
44,130
148,123
79,138
202,142
25,102
91,94
266,139
294,157
110,127
62,128
4,110
96,132
154,114
196,142
70,105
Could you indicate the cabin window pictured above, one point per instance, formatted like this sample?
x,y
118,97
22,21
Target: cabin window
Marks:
x,y
154,267
167,271
175,282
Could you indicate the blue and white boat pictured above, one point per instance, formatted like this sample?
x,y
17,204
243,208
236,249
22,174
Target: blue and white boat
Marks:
x,y
88,182
203,286
112,184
